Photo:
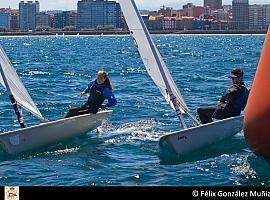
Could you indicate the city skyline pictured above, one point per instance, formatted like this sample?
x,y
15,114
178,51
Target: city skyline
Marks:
x,y
142,4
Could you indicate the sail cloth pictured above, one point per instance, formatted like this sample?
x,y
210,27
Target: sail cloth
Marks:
x,y
150,55
16,86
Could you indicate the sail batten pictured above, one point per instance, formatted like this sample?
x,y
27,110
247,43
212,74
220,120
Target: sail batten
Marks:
x,y
17,88
151,57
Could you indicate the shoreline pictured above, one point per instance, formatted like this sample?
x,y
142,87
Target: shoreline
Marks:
x,y
101,33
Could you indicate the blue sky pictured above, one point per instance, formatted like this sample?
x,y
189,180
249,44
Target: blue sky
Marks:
x,y
142,4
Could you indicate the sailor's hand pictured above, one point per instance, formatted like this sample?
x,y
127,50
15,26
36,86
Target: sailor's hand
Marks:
x,y
219,103
81,94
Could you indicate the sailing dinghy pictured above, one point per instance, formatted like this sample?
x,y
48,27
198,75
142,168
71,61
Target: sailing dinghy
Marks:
x,y
188,139
46,133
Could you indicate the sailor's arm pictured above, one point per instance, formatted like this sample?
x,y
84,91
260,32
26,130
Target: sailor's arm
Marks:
x,y
230,94
87,89
107,93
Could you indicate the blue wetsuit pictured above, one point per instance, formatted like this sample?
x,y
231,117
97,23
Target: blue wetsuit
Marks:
x,y
95,89
97,94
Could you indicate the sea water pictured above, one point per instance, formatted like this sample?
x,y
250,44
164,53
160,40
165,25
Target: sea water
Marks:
x,y
125,151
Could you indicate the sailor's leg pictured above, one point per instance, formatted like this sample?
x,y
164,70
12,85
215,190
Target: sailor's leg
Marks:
x,y
206,114
93,110
223,113
83,111
72,112
77,111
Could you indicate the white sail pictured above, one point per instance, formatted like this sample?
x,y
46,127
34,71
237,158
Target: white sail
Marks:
x,y
151,57
16,86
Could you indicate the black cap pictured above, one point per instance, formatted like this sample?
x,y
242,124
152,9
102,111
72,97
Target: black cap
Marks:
x,y
236,72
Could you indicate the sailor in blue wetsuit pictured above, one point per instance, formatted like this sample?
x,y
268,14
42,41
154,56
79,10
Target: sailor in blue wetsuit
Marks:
x,y
235,100
98,91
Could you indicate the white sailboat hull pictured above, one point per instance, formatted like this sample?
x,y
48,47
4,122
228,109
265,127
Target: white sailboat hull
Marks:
x,y
21,140
192,139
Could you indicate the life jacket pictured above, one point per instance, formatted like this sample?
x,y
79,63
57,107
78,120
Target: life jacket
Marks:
x,y
241,102
96,97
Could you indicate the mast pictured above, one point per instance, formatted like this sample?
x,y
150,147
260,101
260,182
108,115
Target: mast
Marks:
x,y
168,88
12,99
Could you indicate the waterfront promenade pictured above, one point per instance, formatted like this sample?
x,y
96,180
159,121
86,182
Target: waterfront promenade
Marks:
x,y
117,32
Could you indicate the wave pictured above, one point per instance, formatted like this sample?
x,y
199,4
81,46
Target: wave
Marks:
x,y
131,132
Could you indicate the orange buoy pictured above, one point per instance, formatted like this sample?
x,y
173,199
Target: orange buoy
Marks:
x,y
257,113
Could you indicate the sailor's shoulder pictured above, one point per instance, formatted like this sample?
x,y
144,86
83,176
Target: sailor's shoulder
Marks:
x,y
106,89
233,88
91,83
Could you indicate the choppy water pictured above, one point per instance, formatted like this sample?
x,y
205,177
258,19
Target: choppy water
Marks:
x,y
126,152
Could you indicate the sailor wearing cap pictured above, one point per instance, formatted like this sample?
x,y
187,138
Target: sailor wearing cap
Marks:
x,y
235,100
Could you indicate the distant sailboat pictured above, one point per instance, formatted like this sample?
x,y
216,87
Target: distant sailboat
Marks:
x,y
46,133
257,114
189,139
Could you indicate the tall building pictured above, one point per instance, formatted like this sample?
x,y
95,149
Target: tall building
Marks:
x,y
27,15
213,4
257,17
43,19
14,21
4,22
66,18
4,19
240,14
94,13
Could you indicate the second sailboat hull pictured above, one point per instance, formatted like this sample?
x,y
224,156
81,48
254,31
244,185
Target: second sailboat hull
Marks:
x,y
192,139
21,140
